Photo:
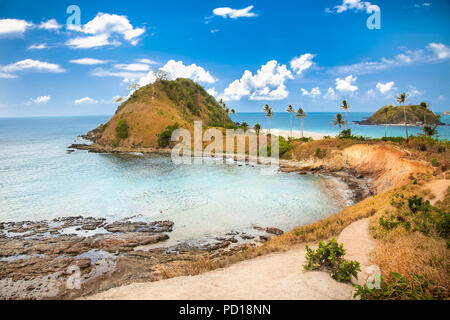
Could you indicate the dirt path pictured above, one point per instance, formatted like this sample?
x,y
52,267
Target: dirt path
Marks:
x,y
275,276
438,188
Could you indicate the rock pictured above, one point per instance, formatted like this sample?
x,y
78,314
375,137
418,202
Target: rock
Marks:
x,y
275,231
83,263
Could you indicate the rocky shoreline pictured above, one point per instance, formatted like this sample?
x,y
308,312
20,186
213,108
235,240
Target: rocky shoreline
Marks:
x,y
47,259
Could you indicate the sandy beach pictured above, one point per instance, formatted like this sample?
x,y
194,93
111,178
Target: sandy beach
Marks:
x,y
297,134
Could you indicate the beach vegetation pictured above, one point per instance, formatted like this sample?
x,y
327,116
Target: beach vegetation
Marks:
x,y
330,257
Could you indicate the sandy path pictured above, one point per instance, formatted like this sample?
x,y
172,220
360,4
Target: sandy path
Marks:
x,y
438,188
276,276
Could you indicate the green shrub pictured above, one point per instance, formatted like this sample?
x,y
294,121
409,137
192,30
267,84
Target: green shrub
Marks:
x,y
122,129
330,257
435,162
102,127
165,137
284,146
320,153
400,288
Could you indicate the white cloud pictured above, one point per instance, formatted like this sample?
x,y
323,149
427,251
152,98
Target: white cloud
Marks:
x,y
385,87
38,46
356,5
214,31
51,24
302,63
106,29
90,42
413,92
213,92
88,61
41,100
432,53
420,5
133,67
4,75
176,69
146,61
13,27
126,75
85,100
346,85
440,50
315,92
32,65
267,84
227,12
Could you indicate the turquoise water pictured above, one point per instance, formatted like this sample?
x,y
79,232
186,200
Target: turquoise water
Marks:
x,y
39,180
321,122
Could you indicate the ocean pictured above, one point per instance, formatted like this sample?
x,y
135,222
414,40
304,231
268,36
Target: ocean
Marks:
x,y
39,180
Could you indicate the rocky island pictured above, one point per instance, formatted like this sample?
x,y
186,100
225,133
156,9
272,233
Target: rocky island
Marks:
x,y
416,115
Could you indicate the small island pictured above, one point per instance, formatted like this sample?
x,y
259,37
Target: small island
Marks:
x,y
446,113
416,115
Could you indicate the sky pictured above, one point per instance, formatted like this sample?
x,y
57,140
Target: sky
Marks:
x,y
309,54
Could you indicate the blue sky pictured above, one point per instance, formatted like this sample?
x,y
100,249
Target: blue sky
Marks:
x,y
311,54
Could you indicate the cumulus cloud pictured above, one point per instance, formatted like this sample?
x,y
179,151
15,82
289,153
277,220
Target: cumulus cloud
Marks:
x,y
432,53
106,29
302,63
51,24
176,69
146,61
267,84
213,92
385,87
13,27
346,85
88,61
330,95
315,92
227,12
43,99
31,65
85,100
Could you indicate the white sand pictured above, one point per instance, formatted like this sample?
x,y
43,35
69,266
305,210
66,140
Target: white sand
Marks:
x,y
297,134
276,276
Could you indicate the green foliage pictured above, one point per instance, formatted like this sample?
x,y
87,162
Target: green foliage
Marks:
x,y
165,137
435,162
400,288
285,146
347,134
320,153
102,127
257,128
122,129
416,215
330,257
393,139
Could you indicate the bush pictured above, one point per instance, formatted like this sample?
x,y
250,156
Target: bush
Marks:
x,y
165,137
417,288
122,129
320,153
285,146
347,134
435,162
330,257
102,127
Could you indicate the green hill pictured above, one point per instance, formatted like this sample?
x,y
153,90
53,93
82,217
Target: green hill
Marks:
x,y
150,110
415,115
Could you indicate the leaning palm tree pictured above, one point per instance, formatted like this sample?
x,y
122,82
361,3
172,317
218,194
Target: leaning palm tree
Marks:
x,y
301,114
386,111
345,107
245,126
401,98
266,111
233,113
339,121
429,131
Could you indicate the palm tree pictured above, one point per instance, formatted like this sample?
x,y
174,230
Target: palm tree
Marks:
x,y
301,114
429,131
386,111
290,111
401,98
339,121
245,126
233,113
345,107
269,116
425,106
257,128
266,111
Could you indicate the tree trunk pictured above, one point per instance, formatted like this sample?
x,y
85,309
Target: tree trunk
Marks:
x,y
302,127
406,125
